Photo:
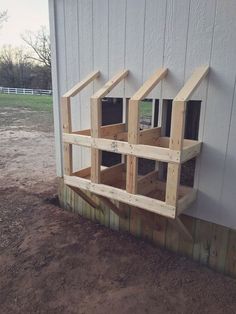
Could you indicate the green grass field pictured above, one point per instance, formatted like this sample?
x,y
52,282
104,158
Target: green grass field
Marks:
x,y
44,103
145,108
34,102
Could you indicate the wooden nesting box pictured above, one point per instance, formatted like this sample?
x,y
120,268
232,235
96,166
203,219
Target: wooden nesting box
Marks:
x,y
121,182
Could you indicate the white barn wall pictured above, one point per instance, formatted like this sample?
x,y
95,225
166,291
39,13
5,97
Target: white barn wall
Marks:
x,y
142,36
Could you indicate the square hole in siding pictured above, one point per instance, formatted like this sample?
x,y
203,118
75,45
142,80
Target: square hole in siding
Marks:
x,y
148,113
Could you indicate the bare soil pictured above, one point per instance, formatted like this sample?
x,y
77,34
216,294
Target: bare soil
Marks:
x,y
52,261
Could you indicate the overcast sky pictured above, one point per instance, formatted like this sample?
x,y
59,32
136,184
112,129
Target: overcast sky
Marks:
x,y
22,15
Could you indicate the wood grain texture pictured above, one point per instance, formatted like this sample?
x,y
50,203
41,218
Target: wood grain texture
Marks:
x,y
230,266
159,235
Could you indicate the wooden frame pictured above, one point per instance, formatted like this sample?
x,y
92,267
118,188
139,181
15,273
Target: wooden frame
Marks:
x,y
133,126
66,118
96,101
141,191
177,132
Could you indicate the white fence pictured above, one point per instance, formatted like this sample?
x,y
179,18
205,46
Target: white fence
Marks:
x,y
25,91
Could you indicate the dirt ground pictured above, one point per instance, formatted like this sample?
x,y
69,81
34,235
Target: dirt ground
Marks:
x,y
54,262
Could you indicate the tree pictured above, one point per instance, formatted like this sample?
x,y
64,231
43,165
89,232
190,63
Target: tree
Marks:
x,y
15,68
39,42
3,17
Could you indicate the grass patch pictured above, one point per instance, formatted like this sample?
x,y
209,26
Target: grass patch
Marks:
x,y
145,108
34,102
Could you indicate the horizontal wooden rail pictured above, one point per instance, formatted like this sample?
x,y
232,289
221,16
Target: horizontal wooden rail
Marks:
x,y
190,151
147,136
140,201
82,84
107,131
138,150
185,201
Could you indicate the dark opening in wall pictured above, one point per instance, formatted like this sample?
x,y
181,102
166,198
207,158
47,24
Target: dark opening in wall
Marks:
x,y
147,114
193,110
112,112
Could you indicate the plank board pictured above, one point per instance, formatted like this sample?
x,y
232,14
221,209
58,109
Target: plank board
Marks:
x,y
140,201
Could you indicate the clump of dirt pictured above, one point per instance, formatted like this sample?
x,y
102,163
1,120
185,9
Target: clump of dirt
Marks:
x,y
52,261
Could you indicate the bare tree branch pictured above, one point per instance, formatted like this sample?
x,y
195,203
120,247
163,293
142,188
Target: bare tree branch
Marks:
x,y
39,42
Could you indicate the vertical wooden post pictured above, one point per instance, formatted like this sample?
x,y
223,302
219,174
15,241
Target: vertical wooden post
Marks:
x,y
176,143
67,128
133,138
96,121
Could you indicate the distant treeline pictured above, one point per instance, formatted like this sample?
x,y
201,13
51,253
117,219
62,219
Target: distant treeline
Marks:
x,y
19,69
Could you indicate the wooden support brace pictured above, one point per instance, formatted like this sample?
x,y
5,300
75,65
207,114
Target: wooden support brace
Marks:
x,y
146,217
96,121
82,84
180,226
139,150
66,125
86,198
117,210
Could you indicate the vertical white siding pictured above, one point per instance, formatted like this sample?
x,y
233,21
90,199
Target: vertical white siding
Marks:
x,y
55,84
135,28
177,20
85,32
199,48
117,22
218,111
142,35
72,69
154,40
100,40
228,195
